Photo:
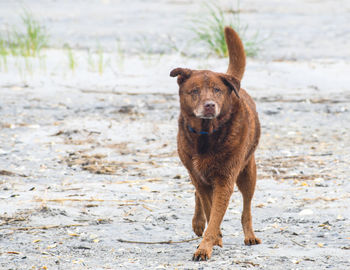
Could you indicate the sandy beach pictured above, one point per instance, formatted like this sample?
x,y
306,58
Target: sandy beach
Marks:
x,y
88,160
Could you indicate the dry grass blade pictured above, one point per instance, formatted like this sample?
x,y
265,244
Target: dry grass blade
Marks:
x,y
304,177
159,242
13,252
8,173
295,242
137,181
99,165
121,202
44,227
326,199
247,262
10,220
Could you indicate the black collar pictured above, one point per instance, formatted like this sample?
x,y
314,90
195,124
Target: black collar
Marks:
x,y
199,132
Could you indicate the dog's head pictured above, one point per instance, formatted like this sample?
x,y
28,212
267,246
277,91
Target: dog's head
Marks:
x,y
205,94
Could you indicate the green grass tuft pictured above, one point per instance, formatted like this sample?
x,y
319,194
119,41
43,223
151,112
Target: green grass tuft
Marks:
x,y
35,37
97,61
121,55
101,61
210,30
27,43
72,61
3,55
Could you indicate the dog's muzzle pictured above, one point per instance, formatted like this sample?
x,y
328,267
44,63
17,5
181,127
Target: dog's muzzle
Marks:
x,y
208,110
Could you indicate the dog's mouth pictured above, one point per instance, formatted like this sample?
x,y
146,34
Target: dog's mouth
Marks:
x,y
208,116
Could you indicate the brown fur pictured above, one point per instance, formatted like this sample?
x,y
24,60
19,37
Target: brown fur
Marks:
x,y
218,133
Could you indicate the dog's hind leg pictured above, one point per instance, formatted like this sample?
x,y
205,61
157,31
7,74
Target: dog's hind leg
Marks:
x,y
198,220
246,183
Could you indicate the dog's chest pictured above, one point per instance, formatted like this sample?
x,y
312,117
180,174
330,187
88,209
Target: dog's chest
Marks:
x,y
203,167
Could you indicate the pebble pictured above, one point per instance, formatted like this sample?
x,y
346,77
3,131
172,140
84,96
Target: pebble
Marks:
x,y
306,212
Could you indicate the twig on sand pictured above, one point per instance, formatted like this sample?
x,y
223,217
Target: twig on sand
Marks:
x,y
10,220
295,242
8,173
160,242
137,181
119,202
44,227
246,262
326,199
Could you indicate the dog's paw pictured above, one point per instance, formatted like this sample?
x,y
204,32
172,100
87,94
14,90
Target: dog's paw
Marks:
x,y
252,241
198,226
203,252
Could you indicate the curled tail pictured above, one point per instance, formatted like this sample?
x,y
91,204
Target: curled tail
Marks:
x,y
236,53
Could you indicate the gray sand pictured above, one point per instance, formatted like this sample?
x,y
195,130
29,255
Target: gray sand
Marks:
x,y
87,160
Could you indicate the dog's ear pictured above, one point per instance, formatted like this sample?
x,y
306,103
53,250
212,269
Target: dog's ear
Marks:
x,y
182,74
232,83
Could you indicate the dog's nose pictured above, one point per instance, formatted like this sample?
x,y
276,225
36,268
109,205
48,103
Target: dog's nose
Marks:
x,y
209,105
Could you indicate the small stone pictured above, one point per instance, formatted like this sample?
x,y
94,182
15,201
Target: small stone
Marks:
x,y
306,212
174,216
271,200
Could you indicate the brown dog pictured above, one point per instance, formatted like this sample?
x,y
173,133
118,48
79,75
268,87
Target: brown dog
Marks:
x,y
218,133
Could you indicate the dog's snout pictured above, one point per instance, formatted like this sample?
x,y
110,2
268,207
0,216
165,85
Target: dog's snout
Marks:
x,y
209,105
209,109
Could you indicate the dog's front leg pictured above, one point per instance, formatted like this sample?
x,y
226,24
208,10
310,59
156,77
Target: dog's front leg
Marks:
x,y
212,235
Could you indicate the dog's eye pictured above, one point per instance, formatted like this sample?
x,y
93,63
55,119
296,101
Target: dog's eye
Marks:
x,y
217,90
194,92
